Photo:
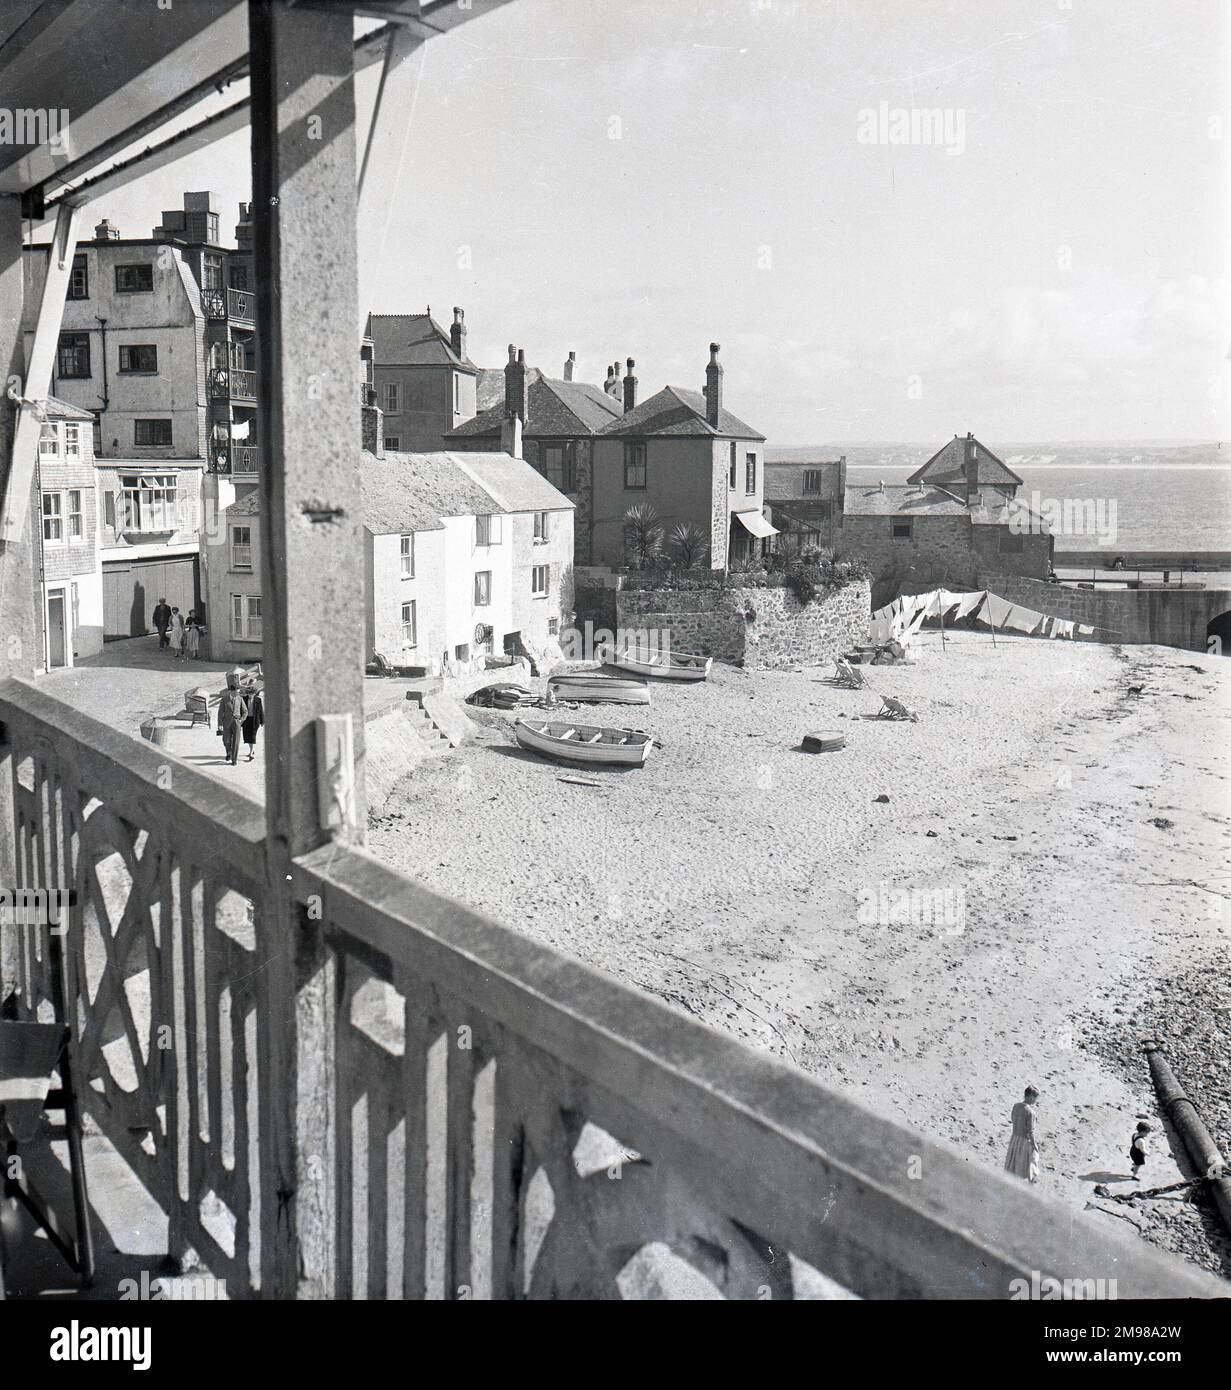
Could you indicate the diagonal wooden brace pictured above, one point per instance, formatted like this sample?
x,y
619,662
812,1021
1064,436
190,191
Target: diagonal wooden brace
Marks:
x,y
38,376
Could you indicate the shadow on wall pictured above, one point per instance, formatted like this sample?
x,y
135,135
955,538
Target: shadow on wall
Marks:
x,y
136,614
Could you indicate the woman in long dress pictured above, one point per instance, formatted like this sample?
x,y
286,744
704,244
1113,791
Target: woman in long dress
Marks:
x,y
1023,1156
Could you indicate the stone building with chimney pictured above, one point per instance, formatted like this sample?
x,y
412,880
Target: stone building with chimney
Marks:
x,y
955,517
425,383
559,420
692,460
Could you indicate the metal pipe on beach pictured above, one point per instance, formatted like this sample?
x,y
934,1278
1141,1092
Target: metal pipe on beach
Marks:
x,y
1184,1115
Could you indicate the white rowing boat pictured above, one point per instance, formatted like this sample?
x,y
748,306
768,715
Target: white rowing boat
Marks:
x,y
671,666
581,743
593,688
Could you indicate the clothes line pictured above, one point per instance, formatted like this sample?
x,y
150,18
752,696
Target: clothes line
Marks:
x,y
907,613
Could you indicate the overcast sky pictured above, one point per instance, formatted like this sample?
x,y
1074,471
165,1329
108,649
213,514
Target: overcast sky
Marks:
x,y
638,178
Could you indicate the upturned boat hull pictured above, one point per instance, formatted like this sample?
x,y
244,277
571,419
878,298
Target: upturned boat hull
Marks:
x,y
596,689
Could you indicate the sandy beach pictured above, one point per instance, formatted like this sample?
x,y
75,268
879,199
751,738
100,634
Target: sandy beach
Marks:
x,y
1043,862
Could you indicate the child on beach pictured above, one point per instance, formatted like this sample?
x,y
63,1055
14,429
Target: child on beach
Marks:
x,y
1138,1149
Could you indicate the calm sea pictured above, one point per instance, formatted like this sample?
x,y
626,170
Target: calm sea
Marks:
x,y
1166,496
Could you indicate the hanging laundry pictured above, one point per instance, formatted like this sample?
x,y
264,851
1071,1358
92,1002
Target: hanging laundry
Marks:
x,y
996,610
1083,630
1062,628
1022,619
969,603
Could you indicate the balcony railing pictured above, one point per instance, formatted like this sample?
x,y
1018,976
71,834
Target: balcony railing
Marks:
x,y
241,307
237,305
233,383
487,1093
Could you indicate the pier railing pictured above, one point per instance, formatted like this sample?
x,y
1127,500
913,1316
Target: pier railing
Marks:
x,y
503,1122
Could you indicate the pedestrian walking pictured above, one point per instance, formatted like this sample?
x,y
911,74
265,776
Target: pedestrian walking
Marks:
x,y
232,711
1023,1156
253,722
192,635
177,633
162,621
1138,1149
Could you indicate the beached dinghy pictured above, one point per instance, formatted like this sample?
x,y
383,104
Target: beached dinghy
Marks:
x,y
671,666
593,688
581,743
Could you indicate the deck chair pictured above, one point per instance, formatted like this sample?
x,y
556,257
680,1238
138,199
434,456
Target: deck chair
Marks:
x,y
29,1054
893,708
850,676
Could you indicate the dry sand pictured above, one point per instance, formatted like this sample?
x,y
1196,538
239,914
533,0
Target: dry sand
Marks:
x,y
1075,832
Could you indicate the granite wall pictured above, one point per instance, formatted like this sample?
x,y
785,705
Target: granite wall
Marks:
x,y
761,629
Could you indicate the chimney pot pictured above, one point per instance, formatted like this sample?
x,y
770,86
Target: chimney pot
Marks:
x,y
515,402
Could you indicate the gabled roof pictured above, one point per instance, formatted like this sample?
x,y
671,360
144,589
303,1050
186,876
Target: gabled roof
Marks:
x,y
246,506
65,410
864,499
514,483
554,409
412,340
946,466
674,411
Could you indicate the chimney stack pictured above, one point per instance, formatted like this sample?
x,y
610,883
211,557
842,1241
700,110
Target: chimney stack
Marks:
x,y
457,334
630,389
515,385
243,228
510,436
106,232
970,465
713,388
612,385
372,426
569,365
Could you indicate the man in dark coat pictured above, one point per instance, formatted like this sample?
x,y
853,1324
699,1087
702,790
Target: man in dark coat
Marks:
x,y
232,711
162,621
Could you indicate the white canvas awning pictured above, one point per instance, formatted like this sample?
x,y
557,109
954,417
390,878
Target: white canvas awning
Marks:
x,y
755,524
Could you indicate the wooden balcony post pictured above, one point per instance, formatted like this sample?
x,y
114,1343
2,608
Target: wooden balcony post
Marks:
x,y
18,632
303,173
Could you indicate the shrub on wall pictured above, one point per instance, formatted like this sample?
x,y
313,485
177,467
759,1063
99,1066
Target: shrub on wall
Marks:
x,y
808,577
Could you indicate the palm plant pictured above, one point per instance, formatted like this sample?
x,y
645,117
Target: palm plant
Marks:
x,y
689,545
643,536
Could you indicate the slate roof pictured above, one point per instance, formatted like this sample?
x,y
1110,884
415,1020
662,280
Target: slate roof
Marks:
x,y
65,410
1001,515
946,467
514,483
674,411
901,500
246,506
395,497
554,409
412,340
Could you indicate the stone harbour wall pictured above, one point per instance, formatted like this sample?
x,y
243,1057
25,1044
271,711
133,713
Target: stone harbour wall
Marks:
x,y
759,628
